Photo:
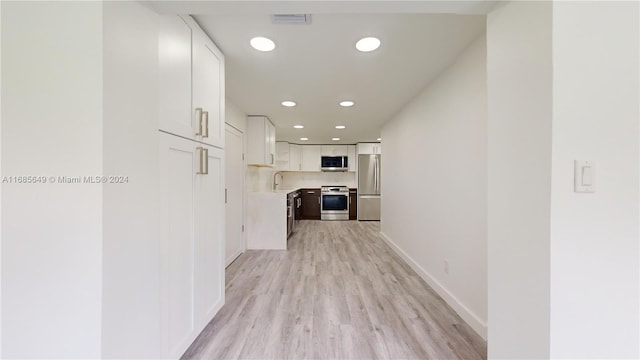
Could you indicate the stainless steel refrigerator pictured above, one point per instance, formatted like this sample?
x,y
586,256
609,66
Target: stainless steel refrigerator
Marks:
x,y
369,187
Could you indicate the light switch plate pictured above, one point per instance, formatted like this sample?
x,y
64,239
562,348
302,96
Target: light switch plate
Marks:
x,y
584,176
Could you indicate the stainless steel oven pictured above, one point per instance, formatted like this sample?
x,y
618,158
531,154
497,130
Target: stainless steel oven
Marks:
x,y
334,203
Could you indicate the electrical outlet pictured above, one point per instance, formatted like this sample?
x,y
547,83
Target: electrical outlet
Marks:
x,y
446,266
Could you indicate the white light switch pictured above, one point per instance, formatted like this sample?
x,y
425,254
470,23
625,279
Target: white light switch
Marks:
x,y
584,181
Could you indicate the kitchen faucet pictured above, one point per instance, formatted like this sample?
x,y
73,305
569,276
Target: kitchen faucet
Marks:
x,y
275,184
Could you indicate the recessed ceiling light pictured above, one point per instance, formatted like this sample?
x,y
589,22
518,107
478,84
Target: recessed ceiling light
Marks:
x,y
335,139
298,126
288,103
346,103
304,139
262,44
340,126
379,139
368,44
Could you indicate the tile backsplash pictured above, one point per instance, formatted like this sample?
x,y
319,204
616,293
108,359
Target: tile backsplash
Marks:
x,y
317,179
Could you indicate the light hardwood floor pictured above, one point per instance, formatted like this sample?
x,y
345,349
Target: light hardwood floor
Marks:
x,y
339,292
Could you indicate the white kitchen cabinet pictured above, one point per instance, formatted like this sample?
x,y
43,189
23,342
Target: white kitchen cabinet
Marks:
x,y
369,148
334,150
261,141
192,239
282,155
191,82
311,157
295,157
352,158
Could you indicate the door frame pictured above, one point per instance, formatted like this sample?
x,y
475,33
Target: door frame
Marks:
x,y
230,128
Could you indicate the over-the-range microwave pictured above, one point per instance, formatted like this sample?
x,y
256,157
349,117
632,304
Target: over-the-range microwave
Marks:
x,y
334,163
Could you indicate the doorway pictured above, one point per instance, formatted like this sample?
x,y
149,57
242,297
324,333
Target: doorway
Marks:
x,y
234,199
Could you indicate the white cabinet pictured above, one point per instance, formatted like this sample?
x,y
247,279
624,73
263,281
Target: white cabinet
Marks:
x,y
334,150
191,82
261,141
191,106
288,156
311,157
192,239
282,156
295,157
353,159
369,148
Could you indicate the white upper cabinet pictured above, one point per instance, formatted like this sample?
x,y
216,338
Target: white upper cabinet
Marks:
x,y
369,148
261,141
311,157
208,92
191,78
334,150
295,157
174,69
282,156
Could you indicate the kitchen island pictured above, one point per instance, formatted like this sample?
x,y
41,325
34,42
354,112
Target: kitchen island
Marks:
x,y
267,220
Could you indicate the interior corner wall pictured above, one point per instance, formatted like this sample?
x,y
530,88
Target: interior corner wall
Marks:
x,y
594,236
434,185
52,94
235,117
519,78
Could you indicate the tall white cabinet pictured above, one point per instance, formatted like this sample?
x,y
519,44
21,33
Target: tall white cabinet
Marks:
x,y
191,159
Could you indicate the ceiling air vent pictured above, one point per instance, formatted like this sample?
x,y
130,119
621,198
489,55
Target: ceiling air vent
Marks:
x,y
292,19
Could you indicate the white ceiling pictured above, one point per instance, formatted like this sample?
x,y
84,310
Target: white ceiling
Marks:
x,y
317,65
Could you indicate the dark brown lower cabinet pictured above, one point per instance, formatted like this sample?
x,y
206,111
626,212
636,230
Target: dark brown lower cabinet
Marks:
x,y
353,204
310,204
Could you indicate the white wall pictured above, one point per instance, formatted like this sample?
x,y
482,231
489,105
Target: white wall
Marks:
x,y
519,78
235,117
434,184
594,237
52,126
131,303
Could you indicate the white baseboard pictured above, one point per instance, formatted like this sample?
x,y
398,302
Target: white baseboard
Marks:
x,y
467,315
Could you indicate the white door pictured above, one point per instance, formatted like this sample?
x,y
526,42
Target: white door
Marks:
x,y
234,244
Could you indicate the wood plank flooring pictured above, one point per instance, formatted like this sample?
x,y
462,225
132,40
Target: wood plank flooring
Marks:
x,y
339,292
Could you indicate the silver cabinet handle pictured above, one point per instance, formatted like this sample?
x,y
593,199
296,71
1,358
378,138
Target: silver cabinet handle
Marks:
x,y
311,192
203,160
198,121
272,159
199,151
205,119
225,196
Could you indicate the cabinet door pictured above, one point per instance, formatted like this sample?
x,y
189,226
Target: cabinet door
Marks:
x,y
261,141
174,80
271,142
208,90
177,162
310,204
377,148
352,158
209,238
283,156
365,148
295,157
353,205
311,157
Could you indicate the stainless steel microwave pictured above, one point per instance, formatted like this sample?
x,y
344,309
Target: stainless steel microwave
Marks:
x,y
334,163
